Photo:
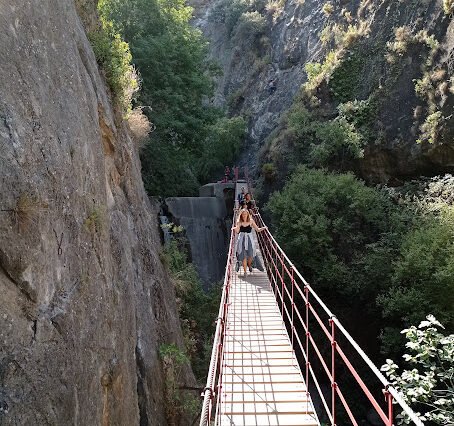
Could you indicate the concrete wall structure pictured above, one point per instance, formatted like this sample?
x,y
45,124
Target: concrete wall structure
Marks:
x,y
207,223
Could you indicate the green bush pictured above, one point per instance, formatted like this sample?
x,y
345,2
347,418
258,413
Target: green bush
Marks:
x,y
430,128
362,116
197,309
423,276
231,12
338,142
316,72
269,172
321,143
250,26
335,229
221,147
114,57
313,70
346,78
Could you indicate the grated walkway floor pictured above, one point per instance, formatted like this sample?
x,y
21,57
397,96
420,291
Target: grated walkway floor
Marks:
x,y
262,384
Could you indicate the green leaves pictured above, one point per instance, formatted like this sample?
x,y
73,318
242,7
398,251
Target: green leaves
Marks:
x,y
325,222
423,277
428,387
192,140
172,354
323,143
113,55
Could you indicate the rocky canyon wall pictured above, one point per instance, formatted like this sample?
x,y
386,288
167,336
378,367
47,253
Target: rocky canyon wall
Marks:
x,y
258,40
84,300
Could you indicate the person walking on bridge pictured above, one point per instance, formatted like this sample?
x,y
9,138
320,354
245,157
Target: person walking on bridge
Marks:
x,y
241,196
245,247
248,201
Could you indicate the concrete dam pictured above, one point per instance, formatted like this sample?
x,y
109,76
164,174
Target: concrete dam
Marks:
x,y
206,220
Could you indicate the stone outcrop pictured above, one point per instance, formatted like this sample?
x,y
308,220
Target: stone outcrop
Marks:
x,y
287,37
84,300
280,53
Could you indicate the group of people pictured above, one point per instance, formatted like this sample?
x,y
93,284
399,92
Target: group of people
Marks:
x,y
230,173
245,200
243,226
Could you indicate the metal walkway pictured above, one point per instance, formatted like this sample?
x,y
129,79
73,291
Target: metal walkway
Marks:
x,y
261,381
254,377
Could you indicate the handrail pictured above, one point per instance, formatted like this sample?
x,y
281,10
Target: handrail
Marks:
x,y
389,390
209,391
275,257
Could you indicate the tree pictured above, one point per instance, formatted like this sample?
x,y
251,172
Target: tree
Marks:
x,y
423,275
341,233
177,82
429,386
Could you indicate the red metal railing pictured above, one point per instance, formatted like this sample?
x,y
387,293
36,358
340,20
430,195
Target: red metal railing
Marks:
x,y
290,287
213,384
287,282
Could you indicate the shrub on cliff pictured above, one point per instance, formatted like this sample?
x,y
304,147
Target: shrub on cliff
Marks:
x,y
322,143
250,25
230,13
269,172
114,57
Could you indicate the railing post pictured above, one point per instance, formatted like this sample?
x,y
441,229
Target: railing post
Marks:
x,y
389,400
333,371
293,308
306,292
282,288
276,273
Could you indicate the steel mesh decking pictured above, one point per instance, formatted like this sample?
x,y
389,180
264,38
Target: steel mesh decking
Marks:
x,y
261,381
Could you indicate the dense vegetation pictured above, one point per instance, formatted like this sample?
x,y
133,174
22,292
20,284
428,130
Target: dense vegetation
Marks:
x,y
197,309
192,140
372,253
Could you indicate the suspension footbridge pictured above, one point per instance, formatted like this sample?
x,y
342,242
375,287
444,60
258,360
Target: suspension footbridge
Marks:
x,y
262,365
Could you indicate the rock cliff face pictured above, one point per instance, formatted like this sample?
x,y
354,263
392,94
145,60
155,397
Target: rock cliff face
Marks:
x,y
280,51
259,40
85,302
